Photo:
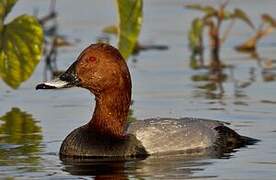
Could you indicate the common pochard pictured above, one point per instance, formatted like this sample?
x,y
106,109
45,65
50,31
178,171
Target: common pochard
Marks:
x,y
102,70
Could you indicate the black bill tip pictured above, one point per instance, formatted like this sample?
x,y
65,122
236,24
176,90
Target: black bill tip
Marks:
x,y
44,86
66,80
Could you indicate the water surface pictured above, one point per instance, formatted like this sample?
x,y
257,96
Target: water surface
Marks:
x,y
34,123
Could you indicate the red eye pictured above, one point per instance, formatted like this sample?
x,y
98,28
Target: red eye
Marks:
x,y
91,59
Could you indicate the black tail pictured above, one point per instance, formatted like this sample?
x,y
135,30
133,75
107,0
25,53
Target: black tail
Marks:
x,y
228,139
249,140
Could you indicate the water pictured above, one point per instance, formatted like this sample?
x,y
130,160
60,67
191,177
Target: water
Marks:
x,y
34,123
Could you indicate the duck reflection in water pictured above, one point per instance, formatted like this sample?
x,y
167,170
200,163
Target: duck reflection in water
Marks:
x,y
168,166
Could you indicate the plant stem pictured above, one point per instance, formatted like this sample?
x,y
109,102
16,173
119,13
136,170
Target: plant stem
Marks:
x,y
227,31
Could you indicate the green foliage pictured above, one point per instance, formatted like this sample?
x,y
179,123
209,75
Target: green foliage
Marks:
x,y
212,19
195,41
5,7
241,15
195,33
250,45
130,22
21,43
221,13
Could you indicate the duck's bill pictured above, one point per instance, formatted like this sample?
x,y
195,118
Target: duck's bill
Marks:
x,y
66,80
54,84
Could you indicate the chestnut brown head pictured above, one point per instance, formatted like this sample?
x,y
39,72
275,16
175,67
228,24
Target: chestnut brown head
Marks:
x,y
99,68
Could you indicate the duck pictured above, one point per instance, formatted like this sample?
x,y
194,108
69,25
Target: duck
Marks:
x,y
101,69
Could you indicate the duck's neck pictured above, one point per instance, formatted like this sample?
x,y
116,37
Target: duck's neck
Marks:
x,y
110,114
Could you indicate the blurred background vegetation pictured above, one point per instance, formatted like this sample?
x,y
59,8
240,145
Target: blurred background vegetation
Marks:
x,y
26,39
20,45
21,40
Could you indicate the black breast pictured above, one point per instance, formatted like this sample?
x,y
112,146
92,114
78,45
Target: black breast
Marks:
x,y
84,143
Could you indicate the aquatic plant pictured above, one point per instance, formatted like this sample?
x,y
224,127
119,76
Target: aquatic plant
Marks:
x,y
130,14
20,45
196,43
267,26
213,19
130,21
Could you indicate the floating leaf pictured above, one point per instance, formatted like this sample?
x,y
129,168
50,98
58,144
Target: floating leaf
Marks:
x,y
130,21
268,19
240,14
20,49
